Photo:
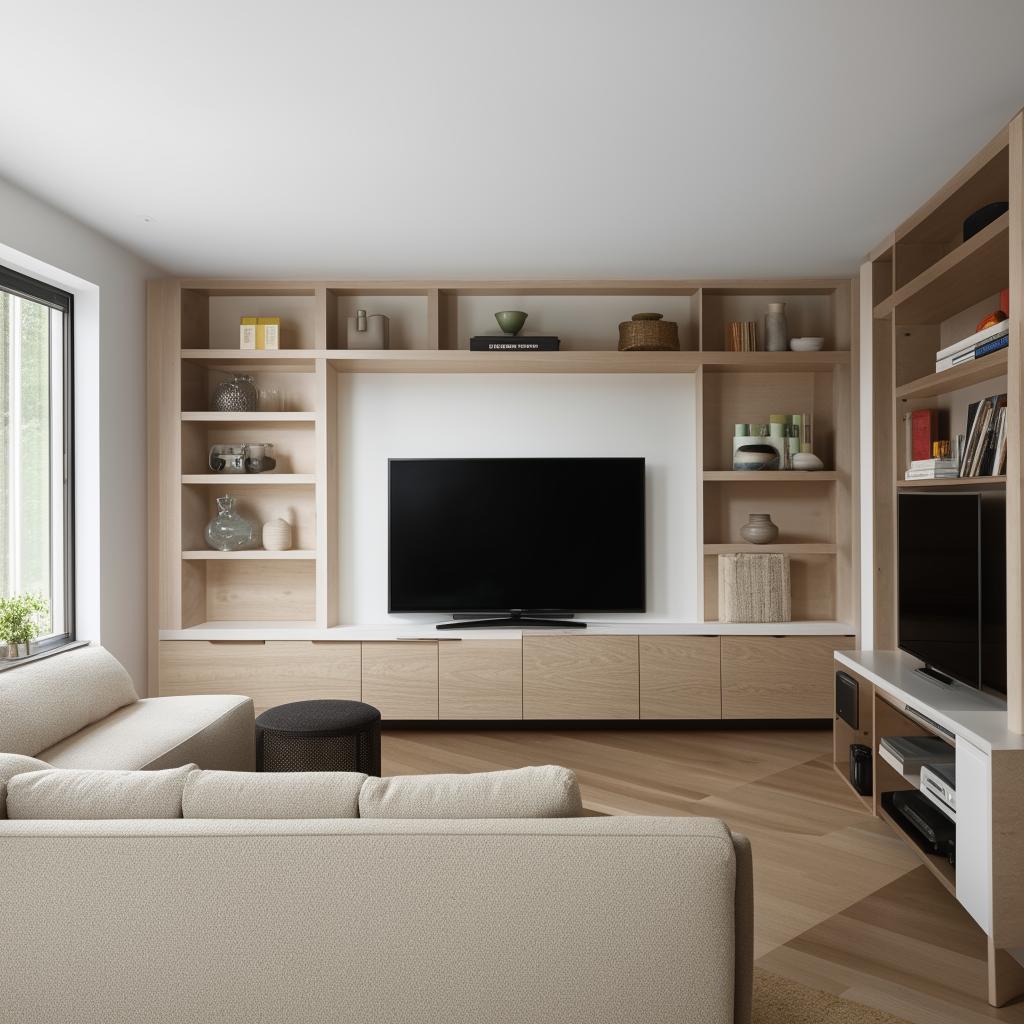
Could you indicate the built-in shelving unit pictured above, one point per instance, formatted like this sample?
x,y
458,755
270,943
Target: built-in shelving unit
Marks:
x,y
194,346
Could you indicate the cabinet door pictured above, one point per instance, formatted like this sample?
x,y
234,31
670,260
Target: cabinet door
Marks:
x,y
680,677
400,678
480,679
779,676
272,672
974,833
581,677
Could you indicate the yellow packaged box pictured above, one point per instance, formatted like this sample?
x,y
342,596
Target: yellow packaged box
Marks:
x,y
268,332
247,332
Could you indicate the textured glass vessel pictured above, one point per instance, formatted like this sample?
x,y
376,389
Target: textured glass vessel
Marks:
x,y
229,531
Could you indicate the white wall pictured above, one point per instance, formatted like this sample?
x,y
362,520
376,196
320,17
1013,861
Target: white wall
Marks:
x,y
384,416
110,411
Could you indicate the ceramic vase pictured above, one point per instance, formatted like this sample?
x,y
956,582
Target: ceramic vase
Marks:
x,y
236,395
759,529
776,332
229,531
277,535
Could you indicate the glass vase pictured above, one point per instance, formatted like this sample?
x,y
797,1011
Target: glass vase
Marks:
x,y
229,531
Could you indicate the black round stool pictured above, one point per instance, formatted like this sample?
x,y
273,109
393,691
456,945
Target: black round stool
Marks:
x,y
319,736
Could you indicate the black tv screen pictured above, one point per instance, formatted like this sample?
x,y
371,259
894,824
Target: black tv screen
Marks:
x,y
490,535
952,585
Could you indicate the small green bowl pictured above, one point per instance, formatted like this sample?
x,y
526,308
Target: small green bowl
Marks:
x,y
511,320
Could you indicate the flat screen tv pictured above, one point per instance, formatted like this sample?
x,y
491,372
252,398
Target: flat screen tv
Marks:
x,y
952,586
505,539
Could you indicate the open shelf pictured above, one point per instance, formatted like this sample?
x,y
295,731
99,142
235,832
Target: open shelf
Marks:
x,y
248,417
774,476
236,361
772,362
938,866
770,549
964,376
974,269
249,479
247,556
965,481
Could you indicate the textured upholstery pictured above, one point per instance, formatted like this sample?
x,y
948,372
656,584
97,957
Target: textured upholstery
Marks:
x,y
11,765
165,732
596,920
44,701
540,792
81,794
744,996
272,794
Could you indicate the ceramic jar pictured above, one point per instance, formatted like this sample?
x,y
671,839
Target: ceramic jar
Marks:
x,y
776,332
277,535
229,531
235,395
759,529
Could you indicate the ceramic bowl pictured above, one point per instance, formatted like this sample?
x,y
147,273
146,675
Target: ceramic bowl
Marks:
x,y
755,456
511,320
806,344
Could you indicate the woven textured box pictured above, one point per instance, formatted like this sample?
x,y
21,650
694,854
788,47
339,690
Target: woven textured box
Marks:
x,y
754,588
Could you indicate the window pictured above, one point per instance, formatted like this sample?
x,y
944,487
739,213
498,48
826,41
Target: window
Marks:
x,y
36,435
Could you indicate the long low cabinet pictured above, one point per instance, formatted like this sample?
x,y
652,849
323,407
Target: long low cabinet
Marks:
x,y
532,677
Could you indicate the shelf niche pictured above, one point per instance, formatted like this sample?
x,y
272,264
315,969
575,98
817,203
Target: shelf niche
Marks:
x,y
210,317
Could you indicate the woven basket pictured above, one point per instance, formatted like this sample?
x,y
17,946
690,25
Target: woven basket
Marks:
x,y
754,588
647,332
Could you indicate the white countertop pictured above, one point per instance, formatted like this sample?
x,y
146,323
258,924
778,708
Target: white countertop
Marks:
x,y
976,717
427,631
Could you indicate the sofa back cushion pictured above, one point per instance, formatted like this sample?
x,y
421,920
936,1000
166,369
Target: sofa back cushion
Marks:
x,y
44,701
540,792
211,794
81,794
11,765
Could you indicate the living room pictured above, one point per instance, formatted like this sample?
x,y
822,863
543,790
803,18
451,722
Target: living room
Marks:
x,y
512,515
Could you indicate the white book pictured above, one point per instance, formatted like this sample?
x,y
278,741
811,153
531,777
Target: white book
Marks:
x,y
934,464
972,342
931,474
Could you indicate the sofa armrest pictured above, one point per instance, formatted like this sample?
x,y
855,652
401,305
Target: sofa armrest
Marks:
x,y
742,1004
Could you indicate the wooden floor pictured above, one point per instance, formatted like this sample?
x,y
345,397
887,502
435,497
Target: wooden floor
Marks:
x,y
840,903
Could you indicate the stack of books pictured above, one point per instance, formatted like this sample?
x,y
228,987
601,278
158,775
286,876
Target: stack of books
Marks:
x,y
933,469
984,443
741,336
982,343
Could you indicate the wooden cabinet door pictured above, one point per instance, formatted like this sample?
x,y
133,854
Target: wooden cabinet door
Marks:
x,y
779,676
680,677
272,672
581,677
400,678
480,679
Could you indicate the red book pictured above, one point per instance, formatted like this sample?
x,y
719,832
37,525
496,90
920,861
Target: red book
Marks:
x,y
924,429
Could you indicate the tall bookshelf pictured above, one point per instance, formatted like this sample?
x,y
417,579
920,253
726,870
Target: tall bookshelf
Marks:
x,y
193,344
928,288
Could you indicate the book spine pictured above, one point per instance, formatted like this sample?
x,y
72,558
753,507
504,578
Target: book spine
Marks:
x,y
924,427
992,346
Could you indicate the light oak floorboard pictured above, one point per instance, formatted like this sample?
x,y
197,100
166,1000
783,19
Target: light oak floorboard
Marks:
x,y
840,903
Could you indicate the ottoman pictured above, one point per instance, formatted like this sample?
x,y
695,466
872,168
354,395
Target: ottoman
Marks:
x,y
319,736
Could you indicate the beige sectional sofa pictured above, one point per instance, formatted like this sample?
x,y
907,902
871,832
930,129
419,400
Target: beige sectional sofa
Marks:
x,y
80,710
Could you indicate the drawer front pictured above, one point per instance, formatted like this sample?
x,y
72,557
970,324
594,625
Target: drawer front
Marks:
x,y
480,679
680,677
272,672
779,676
400,678
581,677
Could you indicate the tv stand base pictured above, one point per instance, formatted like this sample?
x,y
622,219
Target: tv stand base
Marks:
x,y
513,620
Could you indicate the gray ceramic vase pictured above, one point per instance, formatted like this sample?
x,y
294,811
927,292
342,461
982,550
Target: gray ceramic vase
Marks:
x,y
759,529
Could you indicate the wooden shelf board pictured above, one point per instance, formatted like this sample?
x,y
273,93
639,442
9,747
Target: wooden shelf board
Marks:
x,y
764,476
773,362
248,417
963,376
966,481
974,269
770,549
938,866
249,479
249,556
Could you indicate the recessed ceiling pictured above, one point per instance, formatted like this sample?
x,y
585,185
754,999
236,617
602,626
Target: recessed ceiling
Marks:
x,y
468,139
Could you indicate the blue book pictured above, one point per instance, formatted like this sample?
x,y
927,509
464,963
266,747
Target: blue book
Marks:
x,y
992,346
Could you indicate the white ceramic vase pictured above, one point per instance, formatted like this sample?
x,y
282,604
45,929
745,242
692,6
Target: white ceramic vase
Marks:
x,y
277,535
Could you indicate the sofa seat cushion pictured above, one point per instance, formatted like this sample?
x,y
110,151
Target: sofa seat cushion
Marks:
x,y
165,732
44,701
548,791
76,794
11,765
272,794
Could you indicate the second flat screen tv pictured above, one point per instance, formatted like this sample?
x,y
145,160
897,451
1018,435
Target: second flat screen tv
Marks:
x,y
490,535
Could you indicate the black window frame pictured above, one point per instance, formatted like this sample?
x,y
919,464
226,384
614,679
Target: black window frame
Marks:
x,y
39,291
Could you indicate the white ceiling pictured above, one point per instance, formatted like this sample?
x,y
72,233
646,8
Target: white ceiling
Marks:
x,y
529,139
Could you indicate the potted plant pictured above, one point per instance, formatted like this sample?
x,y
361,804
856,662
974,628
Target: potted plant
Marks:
x,y
21,620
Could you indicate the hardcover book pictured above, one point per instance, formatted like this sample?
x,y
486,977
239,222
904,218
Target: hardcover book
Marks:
x,y
924,430
505,343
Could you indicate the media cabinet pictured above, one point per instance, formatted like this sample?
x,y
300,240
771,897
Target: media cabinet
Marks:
x,y
270,623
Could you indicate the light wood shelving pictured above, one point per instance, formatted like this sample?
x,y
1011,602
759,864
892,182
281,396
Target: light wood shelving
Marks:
x,y
724,476
229,480
965,482
989,367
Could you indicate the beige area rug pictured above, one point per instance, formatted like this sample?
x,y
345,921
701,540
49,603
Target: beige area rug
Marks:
x,y
778,1000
